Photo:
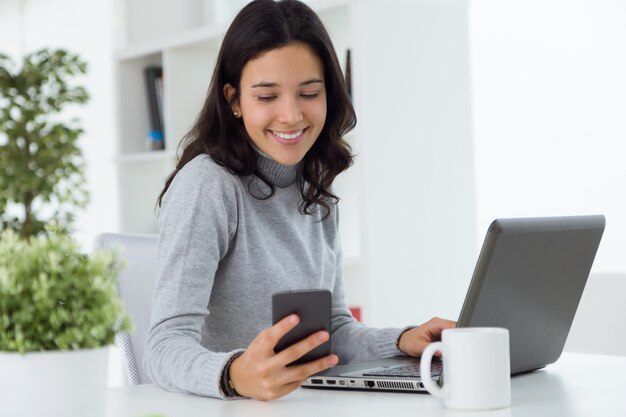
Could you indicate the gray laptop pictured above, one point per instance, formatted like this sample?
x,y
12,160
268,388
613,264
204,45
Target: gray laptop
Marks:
x,y
529,278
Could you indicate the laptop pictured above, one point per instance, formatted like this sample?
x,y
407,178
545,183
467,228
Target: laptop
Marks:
x,y
529,278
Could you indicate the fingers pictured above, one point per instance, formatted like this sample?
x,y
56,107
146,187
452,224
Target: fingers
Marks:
x,y
432,329
255,380
301,372
268,338
297,350
436,325
262,374
414,341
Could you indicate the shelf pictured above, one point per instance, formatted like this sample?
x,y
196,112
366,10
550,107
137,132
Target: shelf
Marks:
x,y
206,33
182,40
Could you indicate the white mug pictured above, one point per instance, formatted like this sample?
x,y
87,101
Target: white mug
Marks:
x,y
476,368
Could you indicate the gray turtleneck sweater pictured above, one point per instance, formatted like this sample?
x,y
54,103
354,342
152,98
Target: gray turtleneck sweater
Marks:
x,y
222,254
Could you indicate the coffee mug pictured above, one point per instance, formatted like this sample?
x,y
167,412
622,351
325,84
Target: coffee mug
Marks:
x,y
476,368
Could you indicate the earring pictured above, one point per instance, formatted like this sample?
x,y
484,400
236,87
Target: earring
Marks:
x,y
236,114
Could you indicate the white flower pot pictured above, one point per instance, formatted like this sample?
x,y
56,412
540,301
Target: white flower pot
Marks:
x,y
54,384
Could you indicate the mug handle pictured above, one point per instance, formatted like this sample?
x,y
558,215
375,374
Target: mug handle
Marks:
x,y
425,364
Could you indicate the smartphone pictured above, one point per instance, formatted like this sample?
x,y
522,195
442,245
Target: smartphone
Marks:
x,y
313,308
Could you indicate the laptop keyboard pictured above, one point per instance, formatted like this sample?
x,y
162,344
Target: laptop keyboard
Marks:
x,y
409,370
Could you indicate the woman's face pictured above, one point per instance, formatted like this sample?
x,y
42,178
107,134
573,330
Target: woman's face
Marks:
x,y
282,101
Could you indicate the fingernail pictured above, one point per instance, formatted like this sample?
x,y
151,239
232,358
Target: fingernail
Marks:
x,y
322,336
333,361
293,319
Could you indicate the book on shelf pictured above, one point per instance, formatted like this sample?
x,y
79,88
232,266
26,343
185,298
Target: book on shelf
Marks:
x,y
154,89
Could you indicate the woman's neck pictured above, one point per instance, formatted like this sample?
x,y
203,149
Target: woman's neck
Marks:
x,y
280,175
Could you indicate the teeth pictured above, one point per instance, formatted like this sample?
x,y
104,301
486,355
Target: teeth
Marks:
x,y
288,136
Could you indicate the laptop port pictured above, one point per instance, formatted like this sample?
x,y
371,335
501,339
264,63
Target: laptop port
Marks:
x,y
342,382
317,381
331,382
420,385
369,384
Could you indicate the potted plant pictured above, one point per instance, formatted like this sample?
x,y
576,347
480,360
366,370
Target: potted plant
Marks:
x,y
41,163
59,311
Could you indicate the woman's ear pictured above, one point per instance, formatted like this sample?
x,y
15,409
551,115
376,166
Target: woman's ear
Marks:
x,y
230,92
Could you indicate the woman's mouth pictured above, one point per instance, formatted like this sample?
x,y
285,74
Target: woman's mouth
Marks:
x,y
291,137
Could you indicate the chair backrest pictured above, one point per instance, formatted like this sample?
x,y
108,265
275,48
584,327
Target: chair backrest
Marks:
x,y
136,285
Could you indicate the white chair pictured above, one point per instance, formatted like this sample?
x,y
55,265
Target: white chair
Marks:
x,y
136,285
599,323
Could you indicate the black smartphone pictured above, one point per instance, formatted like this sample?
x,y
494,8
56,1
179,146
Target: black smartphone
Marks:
x,y
313,308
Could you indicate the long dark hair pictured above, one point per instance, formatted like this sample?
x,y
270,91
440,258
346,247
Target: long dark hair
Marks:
x,y
261,26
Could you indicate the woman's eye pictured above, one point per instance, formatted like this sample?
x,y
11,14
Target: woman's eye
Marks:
x,y
266,98
309,96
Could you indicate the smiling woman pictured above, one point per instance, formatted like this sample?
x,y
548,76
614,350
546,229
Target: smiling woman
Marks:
x,y
282,118
249,211
287,66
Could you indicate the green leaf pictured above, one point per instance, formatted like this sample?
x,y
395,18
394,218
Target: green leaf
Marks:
x,y
53,297
41,163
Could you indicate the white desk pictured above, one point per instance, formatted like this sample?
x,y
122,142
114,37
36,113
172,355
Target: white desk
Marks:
x,y
577,385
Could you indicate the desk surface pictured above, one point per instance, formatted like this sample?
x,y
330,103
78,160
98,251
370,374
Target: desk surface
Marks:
x,y
577,385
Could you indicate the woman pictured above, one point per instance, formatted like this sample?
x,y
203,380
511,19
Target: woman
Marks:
x,y
249,211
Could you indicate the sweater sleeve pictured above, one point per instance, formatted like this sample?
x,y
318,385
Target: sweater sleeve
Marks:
x,y
353,341
197,220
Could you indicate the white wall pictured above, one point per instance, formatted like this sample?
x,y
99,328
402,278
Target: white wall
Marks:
x,y
598,326
84,28
415,145
549,81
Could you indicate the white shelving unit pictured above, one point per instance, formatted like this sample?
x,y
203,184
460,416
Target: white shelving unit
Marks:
x,y
410,84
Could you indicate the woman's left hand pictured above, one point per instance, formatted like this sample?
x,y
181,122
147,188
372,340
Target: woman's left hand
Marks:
x,y
414,341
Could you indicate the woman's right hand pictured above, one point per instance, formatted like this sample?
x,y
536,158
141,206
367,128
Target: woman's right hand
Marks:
x,y
262,374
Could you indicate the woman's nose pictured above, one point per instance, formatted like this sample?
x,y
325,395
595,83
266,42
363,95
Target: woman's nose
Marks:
x,y
289,112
